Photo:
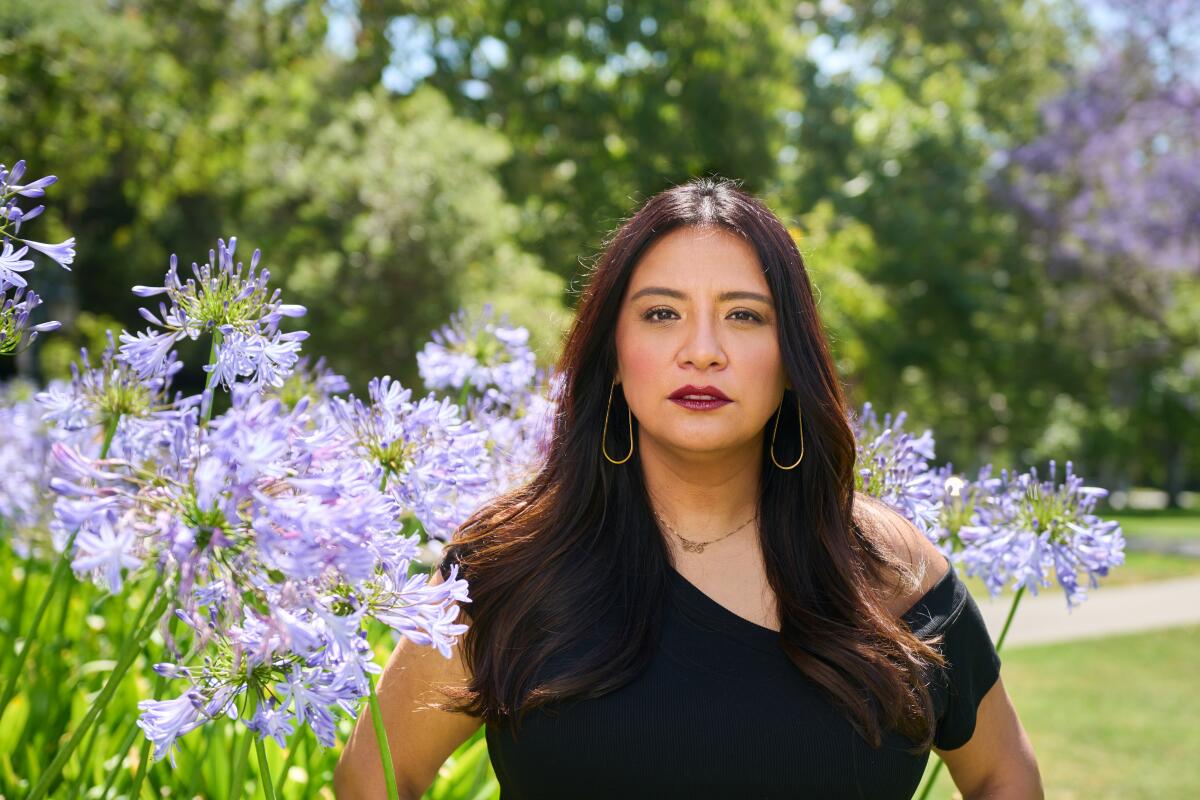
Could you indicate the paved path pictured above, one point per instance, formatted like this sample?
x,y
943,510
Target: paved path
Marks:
x,y
1107,611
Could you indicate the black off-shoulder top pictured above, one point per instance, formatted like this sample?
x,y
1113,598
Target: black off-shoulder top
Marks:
x,y
720,712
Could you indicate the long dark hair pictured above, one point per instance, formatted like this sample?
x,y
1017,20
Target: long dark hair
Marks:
x,y
579,541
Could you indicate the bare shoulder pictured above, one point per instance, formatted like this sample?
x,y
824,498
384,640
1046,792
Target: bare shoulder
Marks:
x,y
919,565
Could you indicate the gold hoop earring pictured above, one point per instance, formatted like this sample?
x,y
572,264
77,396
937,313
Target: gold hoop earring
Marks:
x,y
604,435
800,420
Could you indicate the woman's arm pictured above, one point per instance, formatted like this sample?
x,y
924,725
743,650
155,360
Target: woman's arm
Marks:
x,y
998,762
420,738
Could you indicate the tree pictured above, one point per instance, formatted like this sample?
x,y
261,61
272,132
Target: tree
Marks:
x,y
1111,190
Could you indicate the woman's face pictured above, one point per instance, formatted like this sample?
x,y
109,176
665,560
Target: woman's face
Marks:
x,y
698,311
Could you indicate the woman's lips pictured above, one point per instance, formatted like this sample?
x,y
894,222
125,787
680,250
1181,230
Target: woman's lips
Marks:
x,y
700,405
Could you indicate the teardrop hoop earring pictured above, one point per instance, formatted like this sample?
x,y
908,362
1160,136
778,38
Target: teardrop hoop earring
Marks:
x,y
604,435
800,420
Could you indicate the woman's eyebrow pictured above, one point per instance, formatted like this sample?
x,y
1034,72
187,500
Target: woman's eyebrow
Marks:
x,y
723,296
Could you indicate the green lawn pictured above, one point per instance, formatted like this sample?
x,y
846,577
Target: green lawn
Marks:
x,y
1159,524
1109,718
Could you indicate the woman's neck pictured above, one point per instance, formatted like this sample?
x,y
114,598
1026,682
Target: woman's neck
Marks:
x,y
704,497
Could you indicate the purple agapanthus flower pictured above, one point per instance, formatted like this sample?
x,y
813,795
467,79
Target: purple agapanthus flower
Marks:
x,y
477,353
11,215
16,332
228,301
105,551
12,264
164,721
1029,530
892,465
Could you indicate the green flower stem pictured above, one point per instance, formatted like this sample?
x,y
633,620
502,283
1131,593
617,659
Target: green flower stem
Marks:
x,y
80,782
238,780
193,787
128,655
937,768
1008,622
264,769
287,766
22,592
56,579
385,752
122,750
14,670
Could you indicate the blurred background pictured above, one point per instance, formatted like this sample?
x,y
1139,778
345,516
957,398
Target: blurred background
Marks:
x,y
998,202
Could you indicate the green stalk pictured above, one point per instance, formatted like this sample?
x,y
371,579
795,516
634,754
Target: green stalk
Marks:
x,y
385,752
238,780
197,768
264,769
1008,622
14,670
937,768
56,578
126,743
128,655
287,766
79,784
22,593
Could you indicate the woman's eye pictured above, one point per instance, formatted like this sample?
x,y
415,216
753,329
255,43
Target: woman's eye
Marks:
x,y
741,316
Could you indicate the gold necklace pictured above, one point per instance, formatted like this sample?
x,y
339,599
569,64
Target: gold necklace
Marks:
x,y
698,547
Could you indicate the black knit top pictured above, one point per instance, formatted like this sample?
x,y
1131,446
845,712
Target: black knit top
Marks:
x,y
720,712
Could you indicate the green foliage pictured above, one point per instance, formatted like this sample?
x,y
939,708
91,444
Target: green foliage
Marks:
x,y
541,127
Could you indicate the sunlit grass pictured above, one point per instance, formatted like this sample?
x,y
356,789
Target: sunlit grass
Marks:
x,y
1112,718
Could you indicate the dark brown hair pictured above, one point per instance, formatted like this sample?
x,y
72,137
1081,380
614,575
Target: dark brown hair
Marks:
x,y
579,541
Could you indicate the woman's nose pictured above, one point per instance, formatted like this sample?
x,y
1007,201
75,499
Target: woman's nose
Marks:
x,y
702,346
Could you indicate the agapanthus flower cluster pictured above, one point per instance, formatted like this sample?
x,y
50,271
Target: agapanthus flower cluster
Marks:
x,y
478,352
234,305
489,366
1029,529
16,329
519,426
893,465
99,394
278,545
430,460
23,450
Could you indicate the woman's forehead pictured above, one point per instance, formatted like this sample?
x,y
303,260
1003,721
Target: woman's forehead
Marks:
x,y
700,262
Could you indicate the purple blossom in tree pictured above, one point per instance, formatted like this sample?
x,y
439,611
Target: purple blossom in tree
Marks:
x,y
1112,185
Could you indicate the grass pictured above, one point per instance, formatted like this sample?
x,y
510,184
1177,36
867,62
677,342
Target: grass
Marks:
x,y
1109,718
1175,524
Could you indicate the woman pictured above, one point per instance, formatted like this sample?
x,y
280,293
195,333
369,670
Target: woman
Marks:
x,y
690,599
